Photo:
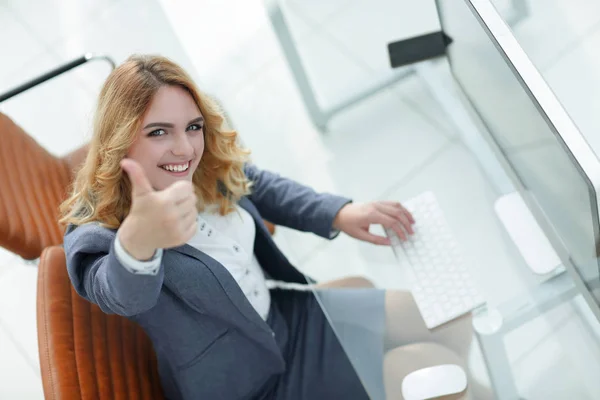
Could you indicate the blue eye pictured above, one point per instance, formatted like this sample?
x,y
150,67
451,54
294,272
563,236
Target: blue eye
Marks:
x,y
195,127
158,132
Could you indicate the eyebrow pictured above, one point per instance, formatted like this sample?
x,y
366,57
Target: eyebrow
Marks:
x,y
169,125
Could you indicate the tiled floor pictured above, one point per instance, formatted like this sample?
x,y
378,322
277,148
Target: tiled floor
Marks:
x,y
393,145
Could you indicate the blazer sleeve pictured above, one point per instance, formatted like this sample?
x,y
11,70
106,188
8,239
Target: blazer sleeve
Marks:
x,y
285,202
98,276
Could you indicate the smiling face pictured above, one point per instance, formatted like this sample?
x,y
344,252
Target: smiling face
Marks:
x,y
170,144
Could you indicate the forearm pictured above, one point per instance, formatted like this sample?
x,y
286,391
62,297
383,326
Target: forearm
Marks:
x,y
118,289
98,275
289,203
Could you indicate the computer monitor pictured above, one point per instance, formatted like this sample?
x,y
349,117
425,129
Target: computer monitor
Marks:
x,y
537,143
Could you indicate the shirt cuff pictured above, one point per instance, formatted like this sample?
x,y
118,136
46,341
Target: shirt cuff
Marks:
x,y
333,233
136,266
341,202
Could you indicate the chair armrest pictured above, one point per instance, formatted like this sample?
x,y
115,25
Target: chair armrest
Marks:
x,y
54,73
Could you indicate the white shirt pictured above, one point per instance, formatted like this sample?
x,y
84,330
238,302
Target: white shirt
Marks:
x,y
229,240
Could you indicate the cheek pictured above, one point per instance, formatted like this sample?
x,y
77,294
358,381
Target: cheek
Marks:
x,y
199,144
148,156
136,153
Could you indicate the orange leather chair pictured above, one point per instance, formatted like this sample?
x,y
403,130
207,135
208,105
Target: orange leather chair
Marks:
x,y
85,353
34,183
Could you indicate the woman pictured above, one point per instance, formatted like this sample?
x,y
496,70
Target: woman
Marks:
x,y
165,227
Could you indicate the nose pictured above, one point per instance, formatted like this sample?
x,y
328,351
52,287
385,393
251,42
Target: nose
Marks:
x,y
182,147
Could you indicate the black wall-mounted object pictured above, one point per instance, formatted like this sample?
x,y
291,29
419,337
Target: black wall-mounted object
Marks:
x,y
418,48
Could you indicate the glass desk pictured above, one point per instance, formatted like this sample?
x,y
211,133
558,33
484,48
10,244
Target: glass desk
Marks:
x,y
536,338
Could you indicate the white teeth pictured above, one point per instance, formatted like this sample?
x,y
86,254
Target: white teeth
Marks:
x,y
176,168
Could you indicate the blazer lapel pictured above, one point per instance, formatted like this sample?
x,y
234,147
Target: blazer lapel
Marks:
x,y
189,291
247,205
271,259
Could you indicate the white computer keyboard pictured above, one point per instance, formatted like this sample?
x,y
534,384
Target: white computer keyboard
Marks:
x,y
441,284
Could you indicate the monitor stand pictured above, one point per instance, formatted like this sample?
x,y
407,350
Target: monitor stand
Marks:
x,y
527,235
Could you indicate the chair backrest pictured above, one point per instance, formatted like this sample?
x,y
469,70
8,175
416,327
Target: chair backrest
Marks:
x,y
85,353
33,183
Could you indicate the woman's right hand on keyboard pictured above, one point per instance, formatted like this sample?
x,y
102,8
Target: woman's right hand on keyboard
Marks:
x,y
157,219
354,219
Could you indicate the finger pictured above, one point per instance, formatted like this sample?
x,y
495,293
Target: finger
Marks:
x,y
394,204
190,229
398,205
405,221
140,185
179,191
398,215
188,226
409,215
188,216
192,198
371,238
390,223
188,206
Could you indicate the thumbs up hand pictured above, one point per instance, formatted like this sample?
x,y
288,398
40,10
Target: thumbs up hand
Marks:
x,y
157,219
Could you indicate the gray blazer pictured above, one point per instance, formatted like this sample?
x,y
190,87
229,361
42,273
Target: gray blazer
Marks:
x,y
209,340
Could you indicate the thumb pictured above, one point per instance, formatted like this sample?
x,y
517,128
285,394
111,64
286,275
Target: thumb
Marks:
x,y
139,182
367,236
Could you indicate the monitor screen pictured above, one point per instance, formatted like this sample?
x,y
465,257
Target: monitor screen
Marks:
x,y
548,158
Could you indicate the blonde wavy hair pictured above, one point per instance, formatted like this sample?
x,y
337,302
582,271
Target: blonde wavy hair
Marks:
x,y
101,191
